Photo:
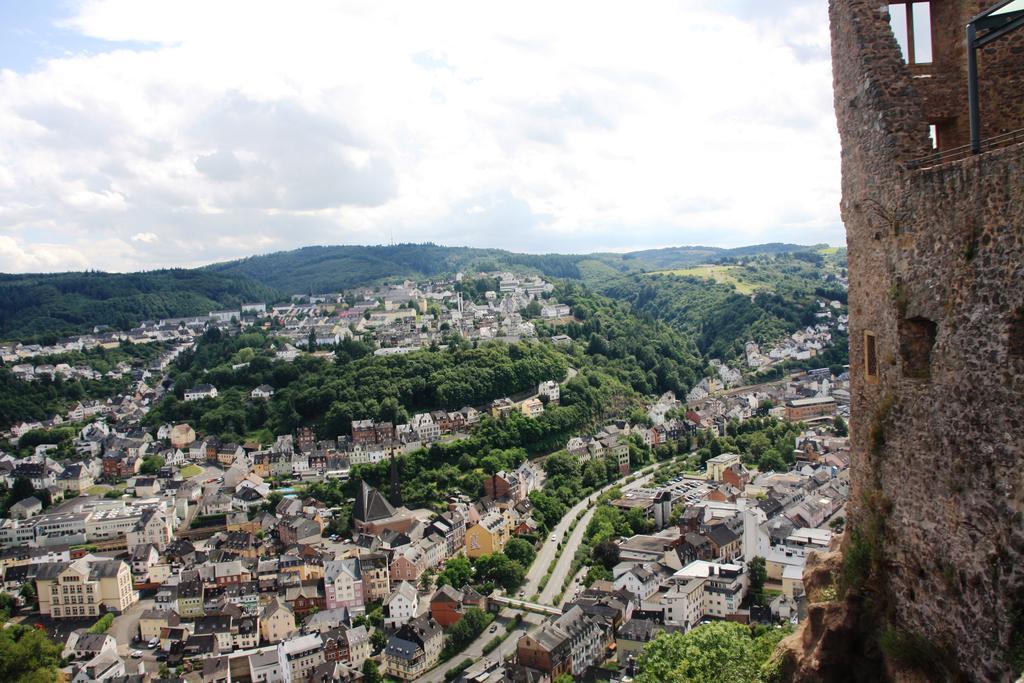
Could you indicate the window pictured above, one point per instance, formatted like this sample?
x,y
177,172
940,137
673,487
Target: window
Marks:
x,y
870,357
912,25
1016,334
917,337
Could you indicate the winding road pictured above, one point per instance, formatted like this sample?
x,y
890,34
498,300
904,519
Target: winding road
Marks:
x,y
554,585
540,565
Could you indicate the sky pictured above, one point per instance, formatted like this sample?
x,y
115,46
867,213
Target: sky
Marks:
x,y
138,134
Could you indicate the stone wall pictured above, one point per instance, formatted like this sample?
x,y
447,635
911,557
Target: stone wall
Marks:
x,y
942,84
937,278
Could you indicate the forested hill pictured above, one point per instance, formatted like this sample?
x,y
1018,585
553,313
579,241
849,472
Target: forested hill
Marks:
x,y
40,307
720,307
331,268
48,306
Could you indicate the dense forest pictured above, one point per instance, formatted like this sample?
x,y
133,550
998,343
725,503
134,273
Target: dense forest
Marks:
x,y
46,307
358,385
41,399
641,351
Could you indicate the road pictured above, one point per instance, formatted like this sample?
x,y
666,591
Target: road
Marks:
x,y
540,565
476,650
126,627
575,585
554,585
550,548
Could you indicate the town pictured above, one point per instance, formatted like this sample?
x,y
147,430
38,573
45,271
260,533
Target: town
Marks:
x,y
156,550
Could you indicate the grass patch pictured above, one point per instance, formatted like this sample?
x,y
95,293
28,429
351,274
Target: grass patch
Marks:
x,y
915,652
189,471
723,275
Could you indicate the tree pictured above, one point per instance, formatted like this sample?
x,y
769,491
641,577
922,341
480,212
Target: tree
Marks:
x,y
151,464
457,572
520,551
371,674
21,489
839,425
26,654
638,522
758,575
28,592
498,569
719,651
465,631
379,640
607,553
427,578
7,605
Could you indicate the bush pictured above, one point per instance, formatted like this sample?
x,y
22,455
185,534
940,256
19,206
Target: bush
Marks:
x,y
453,673
208,520
493,644
102,624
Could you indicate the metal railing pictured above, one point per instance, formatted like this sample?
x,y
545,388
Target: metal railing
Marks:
x,y
965,151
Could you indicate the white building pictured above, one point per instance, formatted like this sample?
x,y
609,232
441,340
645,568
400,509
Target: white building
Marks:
x,y
401,605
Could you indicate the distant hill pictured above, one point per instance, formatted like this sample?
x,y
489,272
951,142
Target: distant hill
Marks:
x,y
680,257
319,269
47,305
67,303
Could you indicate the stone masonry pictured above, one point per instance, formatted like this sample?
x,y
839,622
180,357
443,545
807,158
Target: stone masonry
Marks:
x,y
936,260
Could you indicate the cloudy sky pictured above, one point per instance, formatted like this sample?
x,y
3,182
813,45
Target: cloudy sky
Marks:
x,y
136,134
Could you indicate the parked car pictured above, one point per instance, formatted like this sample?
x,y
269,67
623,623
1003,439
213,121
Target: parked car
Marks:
x,y
136,654
153,642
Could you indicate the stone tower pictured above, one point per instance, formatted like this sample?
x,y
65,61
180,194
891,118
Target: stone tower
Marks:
x,y
936,259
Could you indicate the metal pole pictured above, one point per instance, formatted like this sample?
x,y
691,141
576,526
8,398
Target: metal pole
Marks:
x,y
972,90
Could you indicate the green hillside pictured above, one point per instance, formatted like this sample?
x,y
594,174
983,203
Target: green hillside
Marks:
x,y
721,307
67,303
330,268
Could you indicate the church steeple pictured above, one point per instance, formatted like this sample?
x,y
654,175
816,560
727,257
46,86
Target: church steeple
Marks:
x,y
396,483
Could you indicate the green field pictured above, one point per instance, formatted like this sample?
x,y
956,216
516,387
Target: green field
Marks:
x,y
100,489
725,275
828,251
189,471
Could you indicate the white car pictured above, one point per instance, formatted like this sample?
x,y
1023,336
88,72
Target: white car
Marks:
x,y
553,538
136,654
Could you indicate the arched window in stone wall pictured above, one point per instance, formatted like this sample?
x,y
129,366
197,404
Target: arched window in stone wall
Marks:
x,y
917,337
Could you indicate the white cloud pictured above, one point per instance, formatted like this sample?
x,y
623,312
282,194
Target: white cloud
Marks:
x,y
572,126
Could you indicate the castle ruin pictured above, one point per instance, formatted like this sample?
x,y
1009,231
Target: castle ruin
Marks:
x,y
934,213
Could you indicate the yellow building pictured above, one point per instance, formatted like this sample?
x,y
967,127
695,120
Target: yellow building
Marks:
x,y
532,407
487,536
87,587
